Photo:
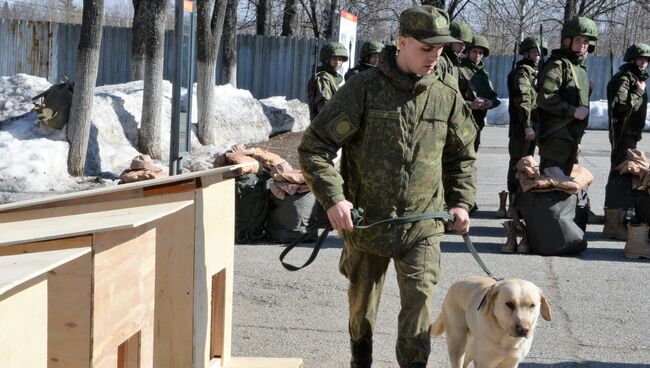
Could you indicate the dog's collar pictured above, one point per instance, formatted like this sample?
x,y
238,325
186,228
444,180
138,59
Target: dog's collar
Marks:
x,y
482,301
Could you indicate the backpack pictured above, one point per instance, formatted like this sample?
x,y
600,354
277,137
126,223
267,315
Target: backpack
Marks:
x,y
290,217
555,221
251,207
55,109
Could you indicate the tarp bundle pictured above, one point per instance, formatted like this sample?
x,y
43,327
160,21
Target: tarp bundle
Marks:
x,y
142,168
637,166
531,180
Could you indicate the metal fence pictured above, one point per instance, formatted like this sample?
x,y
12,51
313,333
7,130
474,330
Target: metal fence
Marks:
x,y
266,66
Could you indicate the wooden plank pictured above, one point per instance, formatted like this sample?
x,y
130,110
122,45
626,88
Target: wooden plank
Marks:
x,y
214,252
123,293
18,269
23,326
56,244
43,201
238,362
72,225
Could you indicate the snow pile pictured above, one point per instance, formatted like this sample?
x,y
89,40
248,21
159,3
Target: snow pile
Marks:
x,y
16,94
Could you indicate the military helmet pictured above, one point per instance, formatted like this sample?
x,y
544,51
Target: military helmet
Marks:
x,y
532,42
580,26
332,49
480,42
636,51
461,32
369,48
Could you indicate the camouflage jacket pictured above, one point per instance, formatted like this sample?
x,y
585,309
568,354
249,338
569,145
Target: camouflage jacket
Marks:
x,y
628,101
474,81
321,87
407,148
449,63
522,82
357,69
563,86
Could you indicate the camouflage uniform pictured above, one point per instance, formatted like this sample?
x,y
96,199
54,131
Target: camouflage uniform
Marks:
x,y
522,82
628,110
406,150
475,82
322,86
367,50
563,87
451,62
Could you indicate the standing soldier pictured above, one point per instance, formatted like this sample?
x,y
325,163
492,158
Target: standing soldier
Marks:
x,y
327,80
475,84
406,137
522,82
369,58
563,99
627,100
453,52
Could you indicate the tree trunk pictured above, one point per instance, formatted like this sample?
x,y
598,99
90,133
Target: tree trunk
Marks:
x,y
440,4
290,18
569,10
230,44
263,17
84,89
331,13
209,26
149,135
138,41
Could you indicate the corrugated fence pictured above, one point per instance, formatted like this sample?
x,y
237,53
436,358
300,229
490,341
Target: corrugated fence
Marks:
x,y
266,66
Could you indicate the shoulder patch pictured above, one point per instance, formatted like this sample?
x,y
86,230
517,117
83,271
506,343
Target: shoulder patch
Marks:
x,y
340,128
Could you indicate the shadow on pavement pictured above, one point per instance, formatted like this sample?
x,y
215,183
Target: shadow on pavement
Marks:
x,y
584,365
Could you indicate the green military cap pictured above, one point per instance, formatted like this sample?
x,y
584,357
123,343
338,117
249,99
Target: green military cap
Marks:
x,y
426,24
461,32
531,42
480,42
332,49
371,47
580,26
636,51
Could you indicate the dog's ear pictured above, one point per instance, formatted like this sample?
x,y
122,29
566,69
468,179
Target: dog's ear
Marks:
x,y
545,308
489,299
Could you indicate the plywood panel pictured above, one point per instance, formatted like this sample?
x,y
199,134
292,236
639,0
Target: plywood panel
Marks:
x,y
71,225
214,252
56,244
124,294
23,325
259,363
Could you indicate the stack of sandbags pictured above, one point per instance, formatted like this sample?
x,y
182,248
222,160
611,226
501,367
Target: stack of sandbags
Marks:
x,y
636,165
531,180
142,168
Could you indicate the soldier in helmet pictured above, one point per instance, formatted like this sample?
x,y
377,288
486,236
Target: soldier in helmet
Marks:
x,y
453,52
407,141
369,58
627,100
563,99
475,84
522,81
326,81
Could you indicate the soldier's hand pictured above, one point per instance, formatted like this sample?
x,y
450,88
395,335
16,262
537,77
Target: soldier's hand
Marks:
x,y
340,217
529,134
476,104
487,104
640,85
461,223
581,113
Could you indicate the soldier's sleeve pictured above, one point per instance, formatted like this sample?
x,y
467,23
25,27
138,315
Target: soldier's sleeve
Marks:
x,y
627,96
458,157
549,98
493,93
322,91
526,91
335,124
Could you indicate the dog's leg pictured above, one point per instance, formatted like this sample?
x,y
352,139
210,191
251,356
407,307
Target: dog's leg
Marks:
x,y
456,343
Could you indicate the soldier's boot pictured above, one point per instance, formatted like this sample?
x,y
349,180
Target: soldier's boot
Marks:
x,y
523,246
594,219
614,227
361,353
637,245
512,211
511,237
501,212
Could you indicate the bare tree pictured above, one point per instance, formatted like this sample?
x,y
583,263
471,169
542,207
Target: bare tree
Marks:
x,y
230,44
84,89
149,134
138,41
440,4
263,17
289,18
210,19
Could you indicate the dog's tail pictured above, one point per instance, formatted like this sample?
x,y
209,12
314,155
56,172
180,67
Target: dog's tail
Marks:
x,y
438,327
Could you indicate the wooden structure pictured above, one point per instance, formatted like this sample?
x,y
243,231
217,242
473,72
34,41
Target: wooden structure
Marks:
x,y
173,238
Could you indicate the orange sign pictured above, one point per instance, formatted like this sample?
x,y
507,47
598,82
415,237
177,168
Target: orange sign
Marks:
x,y
349,16
188,6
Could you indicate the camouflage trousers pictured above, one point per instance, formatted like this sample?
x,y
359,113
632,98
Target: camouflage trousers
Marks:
x,y
418,271
560,151
517,148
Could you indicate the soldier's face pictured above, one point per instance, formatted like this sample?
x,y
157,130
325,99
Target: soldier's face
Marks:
x,y
533,55
373,59
417,57
475,55
642,63
578,44
458,47
336,62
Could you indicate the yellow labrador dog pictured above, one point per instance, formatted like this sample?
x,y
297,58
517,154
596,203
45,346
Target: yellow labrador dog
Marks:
x,y
490,323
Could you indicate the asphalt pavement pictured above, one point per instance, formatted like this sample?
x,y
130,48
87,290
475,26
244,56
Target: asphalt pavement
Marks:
x,y
600,300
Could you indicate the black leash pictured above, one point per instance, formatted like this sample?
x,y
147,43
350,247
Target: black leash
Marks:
x,y
357,220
